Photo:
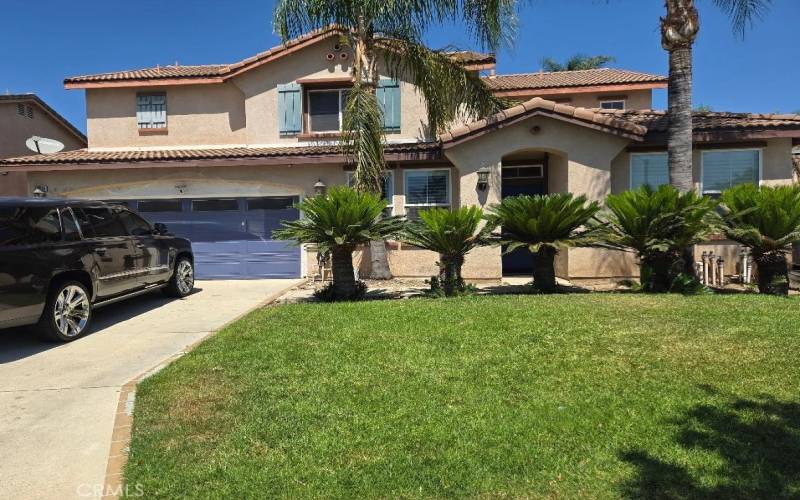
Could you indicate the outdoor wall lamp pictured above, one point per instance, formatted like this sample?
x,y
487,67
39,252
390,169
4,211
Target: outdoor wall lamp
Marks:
x,y
483,178
40,191
319,188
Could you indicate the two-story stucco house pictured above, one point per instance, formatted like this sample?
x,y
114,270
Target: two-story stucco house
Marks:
x,y
219,153
23,116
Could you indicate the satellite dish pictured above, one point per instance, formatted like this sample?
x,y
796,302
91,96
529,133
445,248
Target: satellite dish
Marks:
x,y
43,145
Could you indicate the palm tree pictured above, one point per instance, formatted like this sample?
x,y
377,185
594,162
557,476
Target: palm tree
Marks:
x,y
389,33
337,223
767,220
544,224
658,225
679,29
576,62
452,234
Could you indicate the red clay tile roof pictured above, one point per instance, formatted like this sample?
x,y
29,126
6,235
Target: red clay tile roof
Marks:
x,y
52,112
537,105
657,121
580,78
227,70
81,156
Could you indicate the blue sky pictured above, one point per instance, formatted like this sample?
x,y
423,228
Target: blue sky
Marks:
x,y
40,47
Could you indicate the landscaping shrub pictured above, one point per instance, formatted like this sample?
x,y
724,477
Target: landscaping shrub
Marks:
x,y
544,224
767,220
452,234
338,222
659,225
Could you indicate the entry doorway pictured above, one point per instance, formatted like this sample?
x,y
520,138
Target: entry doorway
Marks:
x,y
522,178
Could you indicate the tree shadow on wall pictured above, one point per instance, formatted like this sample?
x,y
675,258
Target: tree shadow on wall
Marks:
x,y
757,441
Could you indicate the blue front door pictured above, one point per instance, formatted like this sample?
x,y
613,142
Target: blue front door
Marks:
x,y
521,181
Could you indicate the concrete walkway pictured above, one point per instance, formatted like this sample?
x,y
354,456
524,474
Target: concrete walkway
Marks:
x,y
58,401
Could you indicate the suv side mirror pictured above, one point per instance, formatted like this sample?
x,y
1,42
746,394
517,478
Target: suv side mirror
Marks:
x,y
160,229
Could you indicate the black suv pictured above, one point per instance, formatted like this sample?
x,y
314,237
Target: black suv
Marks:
x,y
59,259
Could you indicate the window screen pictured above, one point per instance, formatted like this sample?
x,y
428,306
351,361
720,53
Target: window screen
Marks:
x,y
215,205
649,169
724,169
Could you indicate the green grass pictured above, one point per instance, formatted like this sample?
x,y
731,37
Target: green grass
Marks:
x,y
591,396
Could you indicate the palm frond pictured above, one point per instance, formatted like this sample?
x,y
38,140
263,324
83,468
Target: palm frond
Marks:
x,y
577,62
766,219
362,138
450,233
743,13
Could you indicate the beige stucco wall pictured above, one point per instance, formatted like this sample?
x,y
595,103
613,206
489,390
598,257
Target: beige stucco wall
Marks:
x,y
243,110
196,115
634,99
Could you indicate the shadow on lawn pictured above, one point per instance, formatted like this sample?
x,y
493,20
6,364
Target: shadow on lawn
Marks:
x,y
757,440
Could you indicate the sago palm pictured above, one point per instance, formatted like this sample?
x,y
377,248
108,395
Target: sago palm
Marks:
x,y
389,34
452,234
658,225
767,220
679,30
544,224
338,222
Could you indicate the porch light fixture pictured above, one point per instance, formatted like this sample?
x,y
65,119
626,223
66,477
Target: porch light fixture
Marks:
x,y
483,178
40,191
319,188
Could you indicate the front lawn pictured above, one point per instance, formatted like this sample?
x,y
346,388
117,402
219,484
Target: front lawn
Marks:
x,y
593,396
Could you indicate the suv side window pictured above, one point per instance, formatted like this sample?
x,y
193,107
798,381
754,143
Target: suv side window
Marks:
x,y
28,226
135,225
104,222
69,226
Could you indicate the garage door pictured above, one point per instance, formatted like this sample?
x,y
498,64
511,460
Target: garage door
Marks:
x,y
231,237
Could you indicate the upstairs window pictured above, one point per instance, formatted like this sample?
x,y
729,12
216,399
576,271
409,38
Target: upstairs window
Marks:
x,y
612,104
326,109
650,169
725,169
151,111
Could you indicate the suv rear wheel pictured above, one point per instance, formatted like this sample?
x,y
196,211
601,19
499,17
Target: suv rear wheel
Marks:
x,y
67,313
182,282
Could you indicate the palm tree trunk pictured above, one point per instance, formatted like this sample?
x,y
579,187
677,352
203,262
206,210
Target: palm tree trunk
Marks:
x,y
773,273
678,31
451,275
379,261
344,281
544,271
656,272
679,133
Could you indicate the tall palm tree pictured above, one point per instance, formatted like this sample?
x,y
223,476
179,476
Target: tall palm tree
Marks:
x,y
679,29
389,33
576,62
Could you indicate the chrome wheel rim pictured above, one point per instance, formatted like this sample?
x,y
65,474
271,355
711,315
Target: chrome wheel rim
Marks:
x,y
72,310
185,277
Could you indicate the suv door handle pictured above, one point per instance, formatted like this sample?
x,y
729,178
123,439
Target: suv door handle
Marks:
x,y
101,250
140,245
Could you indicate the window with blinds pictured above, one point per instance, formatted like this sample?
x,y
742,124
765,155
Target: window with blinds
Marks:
x,y
426,189
650,169
151,111
724,169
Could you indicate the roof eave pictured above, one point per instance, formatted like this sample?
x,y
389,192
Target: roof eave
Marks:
x,y
577,89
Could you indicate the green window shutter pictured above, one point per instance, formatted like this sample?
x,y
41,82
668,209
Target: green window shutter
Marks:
x,y
388,93
158,110
289,109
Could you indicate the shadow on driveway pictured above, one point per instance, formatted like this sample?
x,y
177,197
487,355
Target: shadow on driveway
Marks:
x,y
20,343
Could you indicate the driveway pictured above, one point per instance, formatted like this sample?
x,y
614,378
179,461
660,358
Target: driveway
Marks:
x,y
58,402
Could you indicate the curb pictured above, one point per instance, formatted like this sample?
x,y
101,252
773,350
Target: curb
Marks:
x,y
113,486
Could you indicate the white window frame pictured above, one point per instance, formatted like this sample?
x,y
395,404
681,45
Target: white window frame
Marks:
x,y
729,150
623,101
408,171
630,165
341,111
390,196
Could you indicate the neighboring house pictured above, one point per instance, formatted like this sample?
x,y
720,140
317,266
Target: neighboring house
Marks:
x,y
21,117
220,153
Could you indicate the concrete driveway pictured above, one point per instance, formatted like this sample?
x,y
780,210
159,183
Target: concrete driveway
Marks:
x,y
58,402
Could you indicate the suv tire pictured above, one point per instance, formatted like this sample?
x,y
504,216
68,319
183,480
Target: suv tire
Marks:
x,y
67,313
181,283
